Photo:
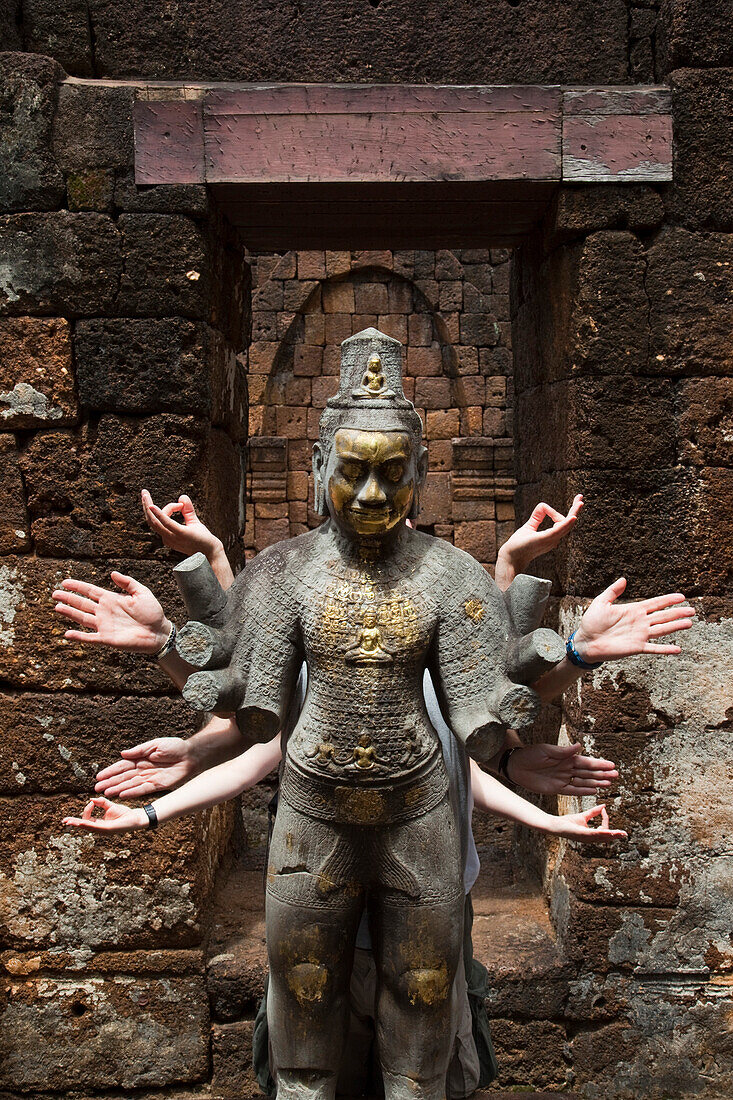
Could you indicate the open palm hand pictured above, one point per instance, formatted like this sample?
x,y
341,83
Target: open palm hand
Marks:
x,y
609,630
130,619
559,769
156,765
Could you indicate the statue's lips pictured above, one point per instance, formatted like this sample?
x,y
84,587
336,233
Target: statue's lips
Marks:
x,y
376,517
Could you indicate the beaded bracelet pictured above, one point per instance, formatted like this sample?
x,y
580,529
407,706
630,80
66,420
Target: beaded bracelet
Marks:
x,y
575,658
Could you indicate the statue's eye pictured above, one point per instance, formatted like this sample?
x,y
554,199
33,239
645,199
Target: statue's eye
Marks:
x,y
394,471
351,470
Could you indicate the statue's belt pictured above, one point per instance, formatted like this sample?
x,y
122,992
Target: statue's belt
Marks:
x,y
364,805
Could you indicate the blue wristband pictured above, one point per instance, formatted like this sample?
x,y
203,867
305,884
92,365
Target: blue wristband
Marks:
x,y
575,658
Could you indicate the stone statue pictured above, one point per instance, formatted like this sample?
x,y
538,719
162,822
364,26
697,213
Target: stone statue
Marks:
x,y
368,603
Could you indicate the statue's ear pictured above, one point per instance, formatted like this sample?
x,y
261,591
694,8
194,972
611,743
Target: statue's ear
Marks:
x,y
319,469
422,473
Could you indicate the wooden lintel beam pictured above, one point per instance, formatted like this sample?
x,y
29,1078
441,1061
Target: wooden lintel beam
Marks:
x,y
318,134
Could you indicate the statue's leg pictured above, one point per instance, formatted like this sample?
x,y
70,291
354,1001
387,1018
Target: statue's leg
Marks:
x,y
417,940
311,925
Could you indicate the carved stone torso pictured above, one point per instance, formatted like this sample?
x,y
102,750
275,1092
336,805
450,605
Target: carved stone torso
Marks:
x,y
366,627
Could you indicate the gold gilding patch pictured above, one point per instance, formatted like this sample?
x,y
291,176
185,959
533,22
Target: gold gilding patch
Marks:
x,y
428,986
359,807
474,609
307,981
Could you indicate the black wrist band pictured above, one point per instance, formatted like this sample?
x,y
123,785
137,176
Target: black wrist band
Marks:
x,y
575,658
503,763
152,816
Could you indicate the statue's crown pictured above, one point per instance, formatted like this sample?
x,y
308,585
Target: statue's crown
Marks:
x,y
370,394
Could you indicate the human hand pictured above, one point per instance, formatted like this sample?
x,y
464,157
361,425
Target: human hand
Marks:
x,y
190,536
156,765
528,542
117,818
576,827
559,769
609,631
131,619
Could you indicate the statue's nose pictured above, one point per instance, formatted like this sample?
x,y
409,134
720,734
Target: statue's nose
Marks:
x,y
371,493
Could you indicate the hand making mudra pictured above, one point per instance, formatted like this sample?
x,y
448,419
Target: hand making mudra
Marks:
x,y
382,831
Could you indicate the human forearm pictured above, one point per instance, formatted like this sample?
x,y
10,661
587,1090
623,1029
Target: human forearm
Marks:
x,y
557,680
512,740
219,740
493,797
505,570
220,783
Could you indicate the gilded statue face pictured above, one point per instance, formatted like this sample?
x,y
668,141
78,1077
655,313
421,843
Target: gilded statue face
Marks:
x,y
370,481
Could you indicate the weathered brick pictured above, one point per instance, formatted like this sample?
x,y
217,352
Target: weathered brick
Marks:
x,y
14,526
479,329
424,362
433,393
30,178
167,266
394,325
262,356
702,192
399,293
315,328
307,361
298,485
360,321
269,531
36,373
144,365
91,190
268,296
165,198
338,263
468,391
420,330
443,424
291,421
93,127
435,499
338,297
233,1073
338,327
451,296
59,263
690,327
447,266
311,265
322,389
472,420
704,415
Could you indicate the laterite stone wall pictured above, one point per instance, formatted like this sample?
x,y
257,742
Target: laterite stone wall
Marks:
x,y
121,316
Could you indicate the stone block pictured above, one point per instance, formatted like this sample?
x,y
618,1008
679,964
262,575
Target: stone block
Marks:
x,y
530,1053
59,263
433,393
322,389
269,531
360,321
702,193
231,1055
315,328
578,211
166,198
264,326
442,424
440,454
14,526
494,361
262,356
479,330
365,258
690,283
477,538
479,276
29,176
704,415
125,893
167,267
36,373
424,362
95,1032
301,295
144,366
447,266
338,297
697,34
84,487
63,33
475,300
472,420
33,651
338,263
291,421
337,327
307,361
311,265
435,499
639,527
451,296
93,127
298,391
420,330
494,422
400,296
298,485
269,296
394,325
586,423
55,743
466,360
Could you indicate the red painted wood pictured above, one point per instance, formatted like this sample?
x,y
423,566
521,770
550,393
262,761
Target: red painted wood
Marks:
x,y
617,148
169,142
381,147
331,99
616,101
